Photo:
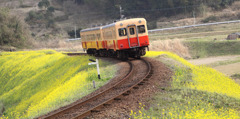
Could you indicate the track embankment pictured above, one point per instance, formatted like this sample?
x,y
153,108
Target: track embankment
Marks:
x,y
138,77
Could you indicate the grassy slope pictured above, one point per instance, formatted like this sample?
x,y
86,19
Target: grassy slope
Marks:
x,y
196,92
36,82
201,48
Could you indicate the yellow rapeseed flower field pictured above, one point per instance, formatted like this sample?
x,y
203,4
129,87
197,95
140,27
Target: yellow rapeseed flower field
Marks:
x,y
36,82
203,91
206,78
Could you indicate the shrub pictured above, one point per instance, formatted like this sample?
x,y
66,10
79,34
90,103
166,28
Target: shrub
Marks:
x,y
41,17
2,108
210,19
51,9
236,76
61,18
72,33
44,3
238,15
13,31
33,16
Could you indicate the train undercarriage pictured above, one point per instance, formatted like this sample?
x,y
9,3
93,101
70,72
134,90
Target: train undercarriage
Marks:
x,y
120,54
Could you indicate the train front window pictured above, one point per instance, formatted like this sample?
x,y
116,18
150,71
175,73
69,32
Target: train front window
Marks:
x,y
122,31
141,29
132,32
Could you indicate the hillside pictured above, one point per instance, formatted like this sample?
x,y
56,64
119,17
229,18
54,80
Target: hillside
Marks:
x,y
36,82
83,14
13,32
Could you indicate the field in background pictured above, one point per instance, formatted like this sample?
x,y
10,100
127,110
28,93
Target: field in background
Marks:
x,y
202,41
229,65
195,92
36,82
219,32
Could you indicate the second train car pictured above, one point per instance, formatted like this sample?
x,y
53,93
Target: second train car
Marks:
x,y
121,39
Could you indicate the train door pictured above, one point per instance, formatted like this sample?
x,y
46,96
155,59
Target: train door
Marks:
x,y
133,36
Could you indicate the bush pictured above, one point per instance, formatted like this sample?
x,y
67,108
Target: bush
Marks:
x,y
238,15
50,9
44,3
61,18
236,76
33,16
210,19
51,23
41,17
72,33
13,31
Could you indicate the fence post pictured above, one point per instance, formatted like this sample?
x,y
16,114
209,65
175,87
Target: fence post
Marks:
x,y
98,70
94,84
97,64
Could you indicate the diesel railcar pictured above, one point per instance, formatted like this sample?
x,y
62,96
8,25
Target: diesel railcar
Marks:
x,y
121,39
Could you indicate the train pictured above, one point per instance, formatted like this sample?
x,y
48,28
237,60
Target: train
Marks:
x,y
122,39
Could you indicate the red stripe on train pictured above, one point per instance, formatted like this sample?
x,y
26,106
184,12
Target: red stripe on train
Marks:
x,y
123,43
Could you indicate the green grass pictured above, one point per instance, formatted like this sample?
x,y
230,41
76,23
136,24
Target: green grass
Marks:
x,y
200,49
224,62
204,41
205,32
187,98
36,82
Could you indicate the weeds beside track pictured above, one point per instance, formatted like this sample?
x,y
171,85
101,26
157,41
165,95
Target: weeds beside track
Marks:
x,y
130,81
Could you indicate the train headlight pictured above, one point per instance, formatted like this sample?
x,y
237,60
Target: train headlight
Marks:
x,y
121,45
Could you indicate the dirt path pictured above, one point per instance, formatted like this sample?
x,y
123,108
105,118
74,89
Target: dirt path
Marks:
x,y
228,69
210,60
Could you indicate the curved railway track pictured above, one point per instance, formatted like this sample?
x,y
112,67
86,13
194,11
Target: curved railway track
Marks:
x,y
139,72
75,54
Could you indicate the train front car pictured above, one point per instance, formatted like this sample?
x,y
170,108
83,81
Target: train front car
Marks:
x,y
132,38
122,39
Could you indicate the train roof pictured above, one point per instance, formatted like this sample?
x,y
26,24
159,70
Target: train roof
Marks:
x,y
109,25
131,20
91,29
125,21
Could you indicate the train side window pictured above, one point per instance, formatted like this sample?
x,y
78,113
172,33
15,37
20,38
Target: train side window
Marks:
x,y
141,29
99,37
122,31
83,38
132,32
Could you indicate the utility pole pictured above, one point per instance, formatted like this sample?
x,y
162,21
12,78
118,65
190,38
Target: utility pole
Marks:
x,y
194,22
75,29
121,10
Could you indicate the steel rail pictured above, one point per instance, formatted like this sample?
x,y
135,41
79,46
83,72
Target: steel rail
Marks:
x,y
149,74
128,88
74,54
91,98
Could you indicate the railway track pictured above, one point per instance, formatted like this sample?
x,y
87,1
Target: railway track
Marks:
x,y
140,71
75,54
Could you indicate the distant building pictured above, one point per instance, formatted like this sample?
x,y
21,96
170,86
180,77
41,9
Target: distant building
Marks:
x,y
233,36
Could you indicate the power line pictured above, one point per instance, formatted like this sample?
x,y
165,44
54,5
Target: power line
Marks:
x,y
162,9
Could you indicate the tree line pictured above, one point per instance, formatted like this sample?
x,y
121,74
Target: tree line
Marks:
x,y
151,8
